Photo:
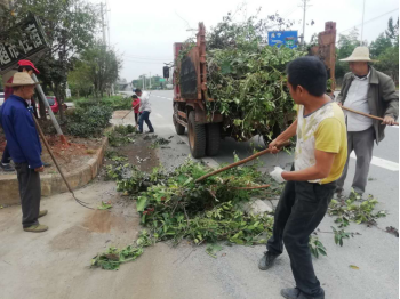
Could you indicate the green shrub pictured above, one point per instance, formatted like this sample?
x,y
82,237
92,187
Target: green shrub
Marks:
x,y
88,122
115,102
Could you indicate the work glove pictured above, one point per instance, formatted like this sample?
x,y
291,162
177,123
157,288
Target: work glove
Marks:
x,y
276,174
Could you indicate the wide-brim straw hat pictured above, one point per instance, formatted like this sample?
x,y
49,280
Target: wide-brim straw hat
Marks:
x,y
360,54
21,79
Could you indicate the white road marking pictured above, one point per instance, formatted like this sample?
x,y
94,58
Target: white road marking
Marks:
x,y
389,165
164,98
158,115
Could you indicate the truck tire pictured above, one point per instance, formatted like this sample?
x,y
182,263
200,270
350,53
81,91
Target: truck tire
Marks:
x,y
197,137
213,138
180,130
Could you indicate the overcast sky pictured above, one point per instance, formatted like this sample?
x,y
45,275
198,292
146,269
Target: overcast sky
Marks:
x,y
143,32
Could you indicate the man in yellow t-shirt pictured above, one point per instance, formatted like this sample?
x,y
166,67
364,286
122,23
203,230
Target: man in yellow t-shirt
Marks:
x,y
319,161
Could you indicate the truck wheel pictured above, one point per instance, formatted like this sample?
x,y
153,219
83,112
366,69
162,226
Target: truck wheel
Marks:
x,y
180,130
213,138
197,137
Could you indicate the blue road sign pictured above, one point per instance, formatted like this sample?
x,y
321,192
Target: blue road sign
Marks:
x,y
279,38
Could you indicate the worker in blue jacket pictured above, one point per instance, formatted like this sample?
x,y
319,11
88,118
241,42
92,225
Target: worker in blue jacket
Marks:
x,y
25,149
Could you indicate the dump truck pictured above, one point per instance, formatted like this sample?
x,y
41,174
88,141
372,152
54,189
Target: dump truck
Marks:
x,y
206,128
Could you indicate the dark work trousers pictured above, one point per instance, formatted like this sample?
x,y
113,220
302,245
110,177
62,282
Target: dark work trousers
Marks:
x,y
145,117
136,118
5,158
29,191
300,210
362,143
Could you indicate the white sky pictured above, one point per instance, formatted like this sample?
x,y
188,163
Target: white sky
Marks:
x,y
143,32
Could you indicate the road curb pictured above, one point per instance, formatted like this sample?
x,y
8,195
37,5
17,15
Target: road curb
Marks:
x,y
52,183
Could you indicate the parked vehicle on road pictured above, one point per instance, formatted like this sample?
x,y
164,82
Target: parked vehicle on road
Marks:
x,y
53,103
52,100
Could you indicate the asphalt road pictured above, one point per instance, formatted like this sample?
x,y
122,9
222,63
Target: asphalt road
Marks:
x,y
374,251
55,264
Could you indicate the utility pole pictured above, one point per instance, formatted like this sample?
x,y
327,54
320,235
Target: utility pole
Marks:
x,y
362,24
102,24
303,38
304,22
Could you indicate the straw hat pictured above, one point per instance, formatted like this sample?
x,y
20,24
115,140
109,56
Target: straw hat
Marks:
x,y
21,79
360,54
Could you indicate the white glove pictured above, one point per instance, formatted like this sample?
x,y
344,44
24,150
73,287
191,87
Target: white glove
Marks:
x,y
276,174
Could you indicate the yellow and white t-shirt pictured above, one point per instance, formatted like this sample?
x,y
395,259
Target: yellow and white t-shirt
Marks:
x,y
323,130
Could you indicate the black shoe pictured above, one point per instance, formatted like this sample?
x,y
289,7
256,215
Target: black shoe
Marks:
x,y
139,132
6,167
149,131
297,294
267,260
46,165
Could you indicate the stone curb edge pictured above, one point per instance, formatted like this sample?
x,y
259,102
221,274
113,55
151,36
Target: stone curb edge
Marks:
x,y
53,183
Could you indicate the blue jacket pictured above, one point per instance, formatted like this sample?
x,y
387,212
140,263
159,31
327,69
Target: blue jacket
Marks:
x,y
22,137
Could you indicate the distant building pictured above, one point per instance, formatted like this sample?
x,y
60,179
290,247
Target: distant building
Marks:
x,y
124,85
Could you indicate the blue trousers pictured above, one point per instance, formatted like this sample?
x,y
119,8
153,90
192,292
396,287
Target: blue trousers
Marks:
x,y
145,117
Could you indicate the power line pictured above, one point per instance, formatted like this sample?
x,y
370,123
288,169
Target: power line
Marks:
x,y
289,13
370,20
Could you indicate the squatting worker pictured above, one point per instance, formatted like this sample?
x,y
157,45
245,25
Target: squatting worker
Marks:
x,y
319,161
369,91
24,65
25,148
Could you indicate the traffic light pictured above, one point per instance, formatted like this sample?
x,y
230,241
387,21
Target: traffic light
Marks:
x,y
165,70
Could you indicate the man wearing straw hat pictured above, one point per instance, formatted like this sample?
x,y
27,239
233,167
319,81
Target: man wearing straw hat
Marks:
x,y
369,91
25,148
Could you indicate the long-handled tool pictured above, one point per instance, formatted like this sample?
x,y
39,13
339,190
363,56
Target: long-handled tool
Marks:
x,y
82,203
367,115
248,159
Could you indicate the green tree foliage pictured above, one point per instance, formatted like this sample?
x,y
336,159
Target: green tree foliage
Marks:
x,y
70,26
77,79
379,46
389,62
393,31
389,56
346,44
96,70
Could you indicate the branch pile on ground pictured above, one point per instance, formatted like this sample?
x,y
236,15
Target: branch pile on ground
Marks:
x,y
173,207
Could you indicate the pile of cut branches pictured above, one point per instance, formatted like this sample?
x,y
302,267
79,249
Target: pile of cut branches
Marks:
x,y
174,207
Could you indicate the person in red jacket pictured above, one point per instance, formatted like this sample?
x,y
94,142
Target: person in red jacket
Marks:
x,y
135,107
